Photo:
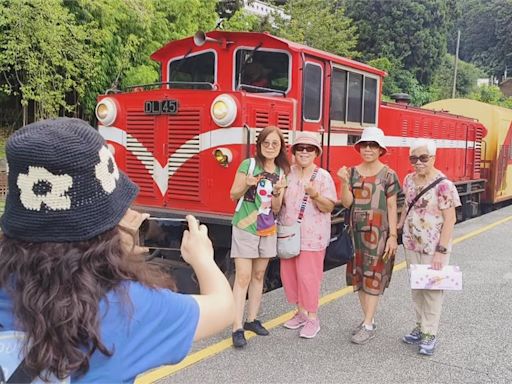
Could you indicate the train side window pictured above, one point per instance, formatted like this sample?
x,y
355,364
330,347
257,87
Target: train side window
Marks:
x,y
352,139
192,72
338,94
370,100
312,92
355,87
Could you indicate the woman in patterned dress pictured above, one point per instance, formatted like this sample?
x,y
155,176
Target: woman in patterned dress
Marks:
x,y
370,190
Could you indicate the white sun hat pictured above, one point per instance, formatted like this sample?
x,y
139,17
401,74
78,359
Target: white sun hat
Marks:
x,y
372,134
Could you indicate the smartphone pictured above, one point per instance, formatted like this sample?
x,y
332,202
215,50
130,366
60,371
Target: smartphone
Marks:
x,y
162,233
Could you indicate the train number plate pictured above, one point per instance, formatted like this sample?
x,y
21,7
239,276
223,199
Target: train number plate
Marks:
x,y
161,107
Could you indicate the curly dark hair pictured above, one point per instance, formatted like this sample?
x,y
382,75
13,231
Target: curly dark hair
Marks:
x,y
56,289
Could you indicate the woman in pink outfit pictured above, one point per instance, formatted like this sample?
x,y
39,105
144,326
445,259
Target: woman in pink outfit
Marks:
x,y
302,275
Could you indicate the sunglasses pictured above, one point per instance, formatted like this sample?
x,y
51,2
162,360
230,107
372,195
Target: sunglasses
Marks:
x,y
371,144
423,158
302,147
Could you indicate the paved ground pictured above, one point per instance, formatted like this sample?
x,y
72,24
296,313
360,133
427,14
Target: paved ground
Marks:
x,y
475,343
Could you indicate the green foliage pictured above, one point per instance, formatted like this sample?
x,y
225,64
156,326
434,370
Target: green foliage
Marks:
x,y
467,75
44,55
400,80
321,24
412,33
242,21
491,94
486,34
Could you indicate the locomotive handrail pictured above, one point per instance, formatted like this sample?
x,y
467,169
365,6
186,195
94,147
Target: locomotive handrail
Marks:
x,y
261,89
205,84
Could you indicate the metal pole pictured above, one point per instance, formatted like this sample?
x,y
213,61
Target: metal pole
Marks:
x,y
455,65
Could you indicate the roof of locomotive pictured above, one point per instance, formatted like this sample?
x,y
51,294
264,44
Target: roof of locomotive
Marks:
x,y
245,38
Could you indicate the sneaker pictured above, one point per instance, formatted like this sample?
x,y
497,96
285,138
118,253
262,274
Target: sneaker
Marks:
x,y
363,336
297,321
427,344
239,338
256,327
414,337
310,328
356,329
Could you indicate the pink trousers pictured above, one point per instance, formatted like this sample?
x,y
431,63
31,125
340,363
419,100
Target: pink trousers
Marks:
x,y
301,277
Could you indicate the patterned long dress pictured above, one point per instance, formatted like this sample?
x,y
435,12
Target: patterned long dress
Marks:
x,y
370,228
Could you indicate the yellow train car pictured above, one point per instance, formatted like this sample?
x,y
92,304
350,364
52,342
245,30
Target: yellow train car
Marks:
x,y
497,148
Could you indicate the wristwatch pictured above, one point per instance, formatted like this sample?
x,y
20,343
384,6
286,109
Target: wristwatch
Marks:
x,y
441,249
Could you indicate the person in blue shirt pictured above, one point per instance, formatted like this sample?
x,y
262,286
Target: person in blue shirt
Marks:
x,y
77,297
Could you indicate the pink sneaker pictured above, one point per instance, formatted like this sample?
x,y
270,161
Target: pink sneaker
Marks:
x,y
310,329
297,321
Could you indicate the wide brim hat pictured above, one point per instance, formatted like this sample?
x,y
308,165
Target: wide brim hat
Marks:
x,y
372,134
63,183
307,138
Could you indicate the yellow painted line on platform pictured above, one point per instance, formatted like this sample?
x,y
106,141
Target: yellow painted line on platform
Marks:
x,y
212,350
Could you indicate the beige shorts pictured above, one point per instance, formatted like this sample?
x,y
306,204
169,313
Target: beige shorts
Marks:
x,y
245,245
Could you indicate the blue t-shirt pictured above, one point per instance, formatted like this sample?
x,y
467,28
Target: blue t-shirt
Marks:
x,y
157,328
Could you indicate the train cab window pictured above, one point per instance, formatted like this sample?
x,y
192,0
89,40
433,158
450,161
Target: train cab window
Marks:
x,y
370,100
260,71
353,97
312,92
193,72
355,86
339,94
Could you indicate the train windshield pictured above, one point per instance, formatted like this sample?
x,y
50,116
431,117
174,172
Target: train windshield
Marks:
x,y
262,71
193,72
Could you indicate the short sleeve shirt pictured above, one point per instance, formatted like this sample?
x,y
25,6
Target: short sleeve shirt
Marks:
x,y
255,214
157,328
423,224
316,225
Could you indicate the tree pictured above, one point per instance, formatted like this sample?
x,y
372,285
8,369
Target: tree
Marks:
x,y
45,57
412,32
321,24
486,34
491,94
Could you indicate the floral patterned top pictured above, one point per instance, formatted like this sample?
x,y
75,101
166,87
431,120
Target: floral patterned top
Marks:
x,y
423,224
316,226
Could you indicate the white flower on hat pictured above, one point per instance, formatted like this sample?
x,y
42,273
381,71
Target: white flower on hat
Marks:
x,y
52,189
106,177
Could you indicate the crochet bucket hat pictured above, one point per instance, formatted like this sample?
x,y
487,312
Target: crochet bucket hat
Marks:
x,y
307,138
64,184
372,134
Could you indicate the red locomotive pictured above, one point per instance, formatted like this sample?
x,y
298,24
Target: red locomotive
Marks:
x,y
181,140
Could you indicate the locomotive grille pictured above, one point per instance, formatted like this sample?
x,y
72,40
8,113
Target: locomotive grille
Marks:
x,y
140,142
261,119
283,121
184,147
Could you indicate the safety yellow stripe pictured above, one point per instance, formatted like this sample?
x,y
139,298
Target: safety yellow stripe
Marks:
x,y
161,372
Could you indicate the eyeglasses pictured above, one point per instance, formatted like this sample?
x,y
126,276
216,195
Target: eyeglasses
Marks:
x,y
273,144
302,147
371,144
423,158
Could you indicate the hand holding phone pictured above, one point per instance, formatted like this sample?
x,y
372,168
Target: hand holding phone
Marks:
x,y
196,244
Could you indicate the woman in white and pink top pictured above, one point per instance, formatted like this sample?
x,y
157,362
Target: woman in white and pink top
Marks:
x,y
302,275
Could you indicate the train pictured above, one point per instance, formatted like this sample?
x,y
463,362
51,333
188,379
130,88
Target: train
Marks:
x,y
181,139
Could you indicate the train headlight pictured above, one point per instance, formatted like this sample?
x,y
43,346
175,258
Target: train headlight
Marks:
x,y
223,156
224,110
106,111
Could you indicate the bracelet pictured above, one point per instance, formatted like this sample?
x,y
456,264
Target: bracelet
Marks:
x,y
276,194
393,235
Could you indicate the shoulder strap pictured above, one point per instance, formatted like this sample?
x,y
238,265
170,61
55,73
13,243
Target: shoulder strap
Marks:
x,y
423,191
306,196
250,171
